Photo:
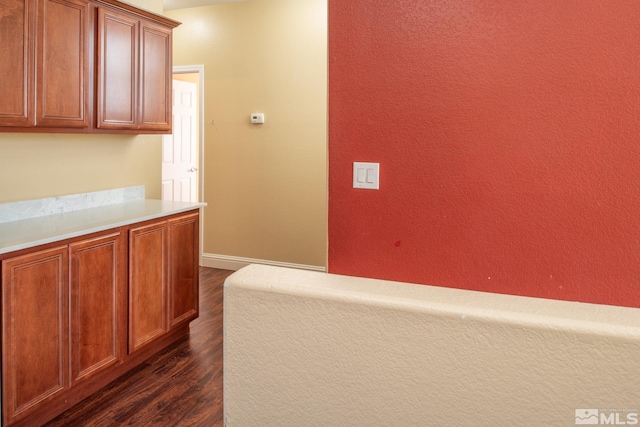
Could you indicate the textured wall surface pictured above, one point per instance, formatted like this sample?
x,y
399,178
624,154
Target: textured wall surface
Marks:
x,y
314,349
507,134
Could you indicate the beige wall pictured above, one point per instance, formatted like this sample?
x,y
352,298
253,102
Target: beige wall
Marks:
x,y
265,184
43,165
312,349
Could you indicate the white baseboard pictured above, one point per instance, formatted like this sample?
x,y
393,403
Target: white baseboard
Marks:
x,y
227,262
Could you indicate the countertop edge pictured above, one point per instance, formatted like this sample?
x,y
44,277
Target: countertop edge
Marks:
x,y
141,211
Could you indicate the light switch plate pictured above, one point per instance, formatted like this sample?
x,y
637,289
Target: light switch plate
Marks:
x,y
366,175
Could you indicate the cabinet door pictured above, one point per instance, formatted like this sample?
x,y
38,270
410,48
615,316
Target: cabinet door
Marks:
x,y
17,35
147,284
34,330
97,305
184,251
117,70
62,94
155,77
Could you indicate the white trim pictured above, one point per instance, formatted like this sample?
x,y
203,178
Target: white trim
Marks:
x,y
227,262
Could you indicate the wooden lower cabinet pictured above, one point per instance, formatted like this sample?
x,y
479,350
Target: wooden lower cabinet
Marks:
x,y
183,269
147,284
77,315
163,278
35,328
97,305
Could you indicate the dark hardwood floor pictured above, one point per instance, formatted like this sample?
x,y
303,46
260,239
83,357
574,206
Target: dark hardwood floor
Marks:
x,y
180,386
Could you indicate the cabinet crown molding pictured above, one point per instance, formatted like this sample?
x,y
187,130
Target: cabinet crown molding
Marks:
x,y
139,11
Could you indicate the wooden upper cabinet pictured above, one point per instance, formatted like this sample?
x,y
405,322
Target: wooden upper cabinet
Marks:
x,y
155,77
44,46
134,73
62,97
117,70
84,66
17,37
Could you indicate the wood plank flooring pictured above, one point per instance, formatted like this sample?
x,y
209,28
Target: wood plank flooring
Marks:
x,y
180,386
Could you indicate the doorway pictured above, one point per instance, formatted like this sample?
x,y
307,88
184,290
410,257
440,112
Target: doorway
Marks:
x,y
182,151
188,158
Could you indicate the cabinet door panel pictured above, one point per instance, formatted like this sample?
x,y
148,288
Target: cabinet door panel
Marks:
x,y
17,30
147,284
155,77
63,64
184,252
98,305
34,325
117,70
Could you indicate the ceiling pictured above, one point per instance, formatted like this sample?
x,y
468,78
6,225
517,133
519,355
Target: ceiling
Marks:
x,y
183,4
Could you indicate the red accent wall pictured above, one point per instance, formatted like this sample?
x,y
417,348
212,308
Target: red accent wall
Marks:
x,y
508,137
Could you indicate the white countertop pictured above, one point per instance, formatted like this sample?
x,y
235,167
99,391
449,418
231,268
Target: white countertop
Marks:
x,y
22,234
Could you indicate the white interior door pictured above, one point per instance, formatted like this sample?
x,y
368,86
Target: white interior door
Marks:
x,y
179,150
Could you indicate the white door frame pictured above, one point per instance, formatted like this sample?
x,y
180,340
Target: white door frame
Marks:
x,y
199,69
189,69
